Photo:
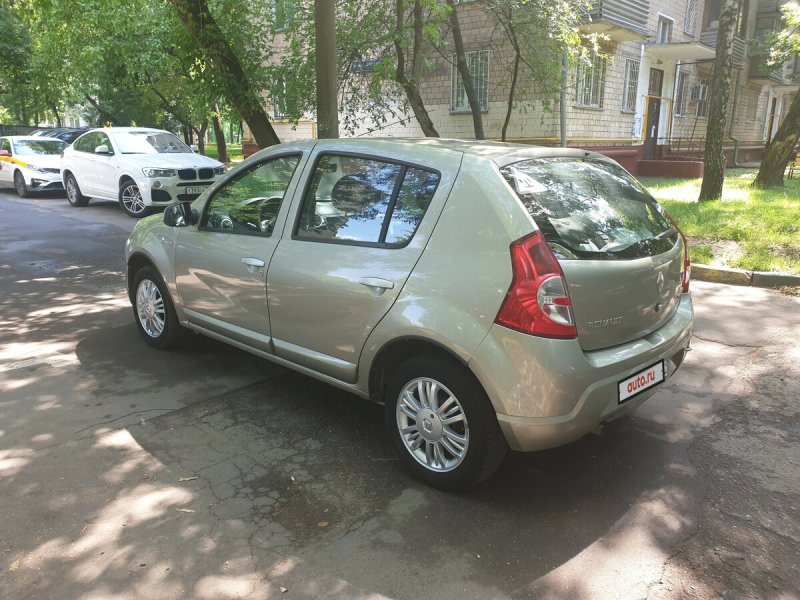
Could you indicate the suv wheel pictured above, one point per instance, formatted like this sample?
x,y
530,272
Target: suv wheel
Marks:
x,y
442,424
20,186
74,195
130,199
153,309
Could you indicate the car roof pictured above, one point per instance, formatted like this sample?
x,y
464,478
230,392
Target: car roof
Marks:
x,y
30,138
129,130
502,153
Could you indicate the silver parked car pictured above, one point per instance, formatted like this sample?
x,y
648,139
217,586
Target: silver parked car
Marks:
x,y
491,296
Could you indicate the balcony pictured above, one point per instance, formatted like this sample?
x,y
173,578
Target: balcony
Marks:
x,y
620,20
761,73
709,38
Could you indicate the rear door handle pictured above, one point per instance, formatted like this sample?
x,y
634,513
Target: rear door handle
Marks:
x,y
254,265
376,285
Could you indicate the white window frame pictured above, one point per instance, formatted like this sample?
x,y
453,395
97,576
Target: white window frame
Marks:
x,y
664,29
630,86
590,83
478,65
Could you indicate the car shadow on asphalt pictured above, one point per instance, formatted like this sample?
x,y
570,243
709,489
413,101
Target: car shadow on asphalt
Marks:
x,y
289,462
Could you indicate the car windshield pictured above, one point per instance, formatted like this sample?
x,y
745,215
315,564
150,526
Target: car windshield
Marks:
x,y
591,209
33,147
149,142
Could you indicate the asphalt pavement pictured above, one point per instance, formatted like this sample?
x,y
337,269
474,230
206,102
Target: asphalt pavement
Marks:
x,y
127,472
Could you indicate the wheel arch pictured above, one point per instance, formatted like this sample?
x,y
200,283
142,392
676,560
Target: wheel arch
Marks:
x,y
136,263
397,351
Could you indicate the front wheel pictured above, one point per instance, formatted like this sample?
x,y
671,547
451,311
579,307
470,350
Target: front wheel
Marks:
x,y
20,185
74,196
130,199
153,309
442,424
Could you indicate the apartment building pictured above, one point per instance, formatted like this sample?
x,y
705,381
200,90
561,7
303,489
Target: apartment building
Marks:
x,y
645,99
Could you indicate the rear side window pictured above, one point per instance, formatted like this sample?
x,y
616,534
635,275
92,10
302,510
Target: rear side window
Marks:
x,y
591,209
365,201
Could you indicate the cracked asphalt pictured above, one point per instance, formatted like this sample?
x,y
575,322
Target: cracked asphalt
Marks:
x,y
126,472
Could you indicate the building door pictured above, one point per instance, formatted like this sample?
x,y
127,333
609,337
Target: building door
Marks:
x,y
653,113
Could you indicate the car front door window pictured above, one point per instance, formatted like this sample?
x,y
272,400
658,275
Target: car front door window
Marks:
x,y
249,204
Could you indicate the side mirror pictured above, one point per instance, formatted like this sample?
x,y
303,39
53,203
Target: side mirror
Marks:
x,y
5,153
102,149
195,148
180,214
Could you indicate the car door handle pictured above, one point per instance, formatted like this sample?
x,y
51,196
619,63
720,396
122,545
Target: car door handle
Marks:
x,y
254,265
376,285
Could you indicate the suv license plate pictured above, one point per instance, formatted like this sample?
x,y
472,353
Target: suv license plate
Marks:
x,y
641,381
196,190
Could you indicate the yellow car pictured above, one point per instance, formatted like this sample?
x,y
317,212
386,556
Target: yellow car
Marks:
x,y
31,164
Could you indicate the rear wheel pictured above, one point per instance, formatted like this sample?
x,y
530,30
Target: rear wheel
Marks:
x,y
20,185
442,424
153,309
74,195
130,199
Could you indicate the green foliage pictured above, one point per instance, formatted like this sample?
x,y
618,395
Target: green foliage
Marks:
x,y
762,223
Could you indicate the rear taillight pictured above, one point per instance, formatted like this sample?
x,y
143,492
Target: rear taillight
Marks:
x,y
537,301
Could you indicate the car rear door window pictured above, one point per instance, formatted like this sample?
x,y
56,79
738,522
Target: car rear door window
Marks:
x,y
364,201
249,203
591,209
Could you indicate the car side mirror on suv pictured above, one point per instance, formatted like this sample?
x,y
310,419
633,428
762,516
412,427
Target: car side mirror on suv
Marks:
x,y
180,214
102,149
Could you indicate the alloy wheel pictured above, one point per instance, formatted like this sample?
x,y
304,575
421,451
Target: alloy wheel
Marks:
x,y
150,308
132,199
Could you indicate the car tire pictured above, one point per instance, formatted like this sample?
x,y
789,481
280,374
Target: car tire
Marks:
x,y
130,199
423,393
153,310
74,196
20,186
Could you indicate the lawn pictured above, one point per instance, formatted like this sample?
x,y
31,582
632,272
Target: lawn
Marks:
x,y
758,230
234,151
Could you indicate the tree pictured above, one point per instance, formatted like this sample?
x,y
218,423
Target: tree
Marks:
x,y
245,97
325,67
780,149
719,92
409,76
463,70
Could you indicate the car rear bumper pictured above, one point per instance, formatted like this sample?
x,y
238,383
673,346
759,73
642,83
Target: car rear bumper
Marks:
x,y
548,392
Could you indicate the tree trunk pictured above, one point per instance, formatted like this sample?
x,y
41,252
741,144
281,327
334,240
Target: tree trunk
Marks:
x,y
201,136
781,149
466,77
325,65
103,113
719,92
247,101
411,84
512,36
219,134
56,114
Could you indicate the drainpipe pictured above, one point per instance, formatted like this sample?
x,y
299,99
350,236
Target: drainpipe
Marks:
x,y
563,100
734,111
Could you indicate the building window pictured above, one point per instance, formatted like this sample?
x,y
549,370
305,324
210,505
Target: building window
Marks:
x,y
664,30
749,105
690,18
591,82
679,106
478,65
284,103
700,96
630,85
283,14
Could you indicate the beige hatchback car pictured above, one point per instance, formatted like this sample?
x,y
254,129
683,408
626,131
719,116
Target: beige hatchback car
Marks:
x,y
491,296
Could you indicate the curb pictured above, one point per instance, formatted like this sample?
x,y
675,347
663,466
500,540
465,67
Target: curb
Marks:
x,y
759,279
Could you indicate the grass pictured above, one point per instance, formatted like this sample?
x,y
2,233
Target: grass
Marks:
x,y
234,152
750,229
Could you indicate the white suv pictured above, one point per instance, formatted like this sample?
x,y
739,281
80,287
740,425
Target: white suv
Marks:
x,y
141,167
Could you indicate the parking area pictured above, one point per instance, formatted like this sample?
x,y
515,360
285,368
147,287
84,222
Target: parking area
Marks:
x,y
126,472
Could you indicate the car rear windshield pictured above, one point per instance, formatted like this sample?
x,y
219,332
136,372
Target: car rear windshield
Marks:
x,y
591,209
148,142
33,147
